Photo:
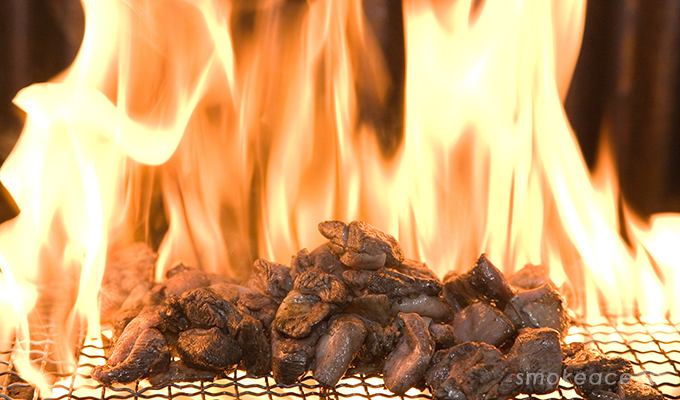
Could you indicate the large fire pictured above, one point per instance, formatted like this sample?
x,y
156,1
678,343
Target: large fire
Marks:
x,y
245,117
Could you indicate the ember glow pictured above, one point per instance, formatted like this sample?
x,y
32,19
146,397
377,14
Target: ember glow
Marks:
x,y
245,116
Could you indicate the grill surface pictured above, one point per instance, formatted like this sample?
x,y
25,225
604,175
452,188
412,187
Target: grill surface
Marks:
x,y
652,347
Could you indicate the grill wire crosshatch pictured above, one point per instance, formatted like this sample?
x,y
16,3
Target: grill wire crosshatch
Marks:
x,y
652,347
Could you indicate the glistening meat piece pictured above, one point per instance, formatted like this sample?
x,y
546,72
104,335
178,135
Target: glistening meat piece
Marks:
x,y
538,308
271,279
300,313
150,354
410,359
538,355
148,318
426,306
443,335
476,371
361,245
254,341
592,372
374,307
329,288
209,349
292,358
379,344
396,284
531,276
634,390
480,322
482,282
337,348
182,279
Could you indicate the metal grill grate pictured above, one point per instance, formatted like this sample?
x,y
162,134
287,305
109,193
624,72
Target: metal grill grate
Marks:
x,y
652,347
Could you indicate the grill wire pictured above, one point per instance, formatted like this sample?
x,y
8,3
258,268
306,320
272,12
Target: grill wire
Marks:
x,y
652,347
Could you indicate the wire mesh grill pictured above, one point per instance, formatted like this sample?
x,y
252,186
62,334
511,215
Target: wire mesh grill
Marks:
x,y
652,347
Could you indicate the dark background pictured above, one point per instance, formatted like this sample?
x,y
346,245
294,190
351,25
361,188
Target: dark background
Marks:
x,y
626,80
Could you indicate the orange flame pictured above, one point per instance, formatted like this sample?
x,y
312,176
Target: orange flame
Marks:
x,y
246,117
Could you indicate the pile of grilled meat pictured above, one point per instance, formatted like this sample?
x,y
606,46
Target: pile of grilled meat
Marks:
x,y
354,305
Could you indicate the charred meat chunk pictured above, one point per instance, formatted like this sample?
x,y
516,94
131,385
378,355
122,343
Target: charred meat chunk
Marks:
x,y
482,282
443,335
208,349
149,354
538,308
324,258
300,263
396,284
480,322
205,308
416,269
292,358
374,307
183,279
591,372
329,288
300,313
434,307
407,364
634,390
270,278
475,371
149,317
357,280
538,355
258,306
379,344
337,348
531,276
254,341
361,245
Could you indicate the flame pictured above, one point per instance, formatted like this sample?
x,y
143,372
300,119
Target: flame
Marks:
x,y
248,120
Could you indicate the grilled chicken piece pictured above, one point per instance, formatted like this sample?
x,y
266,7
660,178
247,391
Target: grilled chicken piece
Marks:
x,y
531,276
443,335
361,245
337,348
634,390
149,354
538,308
292,358
205,308
329,288
482,282
538,355
480,322
209,349
407,364
379,344
396,284
149,317
258,306
183,279
472,371
426,306
374,307
357,280
254,341
321,257
300,313
585,363
271,279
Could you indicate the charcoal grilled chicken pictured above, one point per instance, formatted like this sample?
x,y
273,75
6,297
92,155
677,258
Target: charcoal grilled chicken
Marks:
x,y
357,304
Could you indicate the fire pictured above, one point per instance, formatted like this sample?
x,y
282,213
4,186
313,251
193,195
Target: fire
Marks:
x,y
246,118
